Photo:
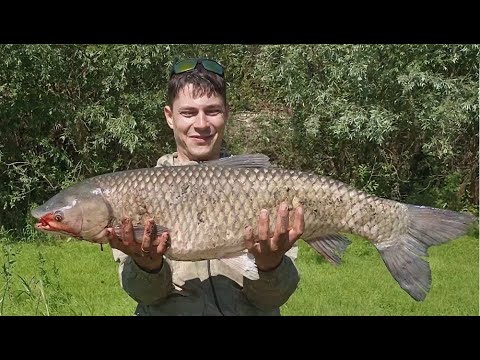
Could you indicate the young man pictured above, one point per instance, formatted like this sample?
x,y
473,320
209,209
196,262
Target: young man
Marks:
x,y
196,111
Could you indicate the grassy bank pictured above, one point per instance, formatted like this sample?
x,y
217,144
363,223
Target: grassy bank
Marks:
x,y
77,278
362,285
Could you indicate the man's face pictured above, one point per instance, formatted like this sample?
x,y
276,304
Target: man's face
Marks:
x,y
198,125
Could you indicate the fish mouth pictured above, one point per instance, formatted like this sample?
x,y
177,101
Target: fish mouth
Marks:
x,y
47,223
42,224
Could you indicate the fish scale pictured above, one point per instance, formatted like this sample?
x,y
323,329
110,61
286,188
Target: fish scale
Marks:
x,y
205,208
191,201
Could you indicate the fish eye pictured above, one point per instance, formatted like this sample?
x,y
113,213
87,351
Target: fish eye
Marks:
x,y
58,216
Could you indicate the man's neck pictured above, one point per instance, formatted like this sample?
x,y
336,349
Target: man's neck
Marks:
x,y
181,158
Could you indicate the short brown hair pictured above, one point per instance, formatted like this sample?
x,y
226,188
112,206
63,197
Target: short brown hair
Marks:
x,y
204,83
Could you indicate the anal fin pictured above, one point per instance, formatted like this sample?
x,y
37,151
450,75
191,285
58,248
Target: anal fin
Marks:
x,y
330,246
243,263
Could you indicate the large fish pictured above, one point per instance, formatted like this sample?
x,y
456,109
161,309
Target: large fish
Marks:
x,y
205,208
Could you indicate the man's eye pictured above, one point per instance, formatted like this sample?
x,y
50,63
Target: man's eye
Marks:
x,y
187,113
213,112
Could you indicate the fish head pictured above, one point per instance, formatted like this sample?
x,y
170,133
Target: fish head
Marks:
x,y
79,211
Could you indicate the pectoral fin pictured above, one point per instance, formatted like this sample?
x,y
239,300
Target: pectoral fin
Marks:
x,y
139,230
244,264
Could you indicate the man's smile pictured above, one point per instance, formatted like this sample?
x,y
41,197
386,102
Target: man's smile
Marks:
x,y
201,138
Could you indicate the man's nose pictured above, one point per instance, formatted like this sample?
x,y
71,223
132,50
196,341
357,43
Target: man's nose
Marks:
x,y
201,121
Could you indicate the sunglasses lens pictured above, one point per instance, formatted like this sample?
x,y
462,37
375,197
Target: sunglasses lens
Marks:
x,y
184,65
190,64
213,66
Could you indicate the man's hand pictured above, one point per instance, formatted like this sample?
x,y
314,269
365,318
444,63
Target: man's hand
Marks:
x,y
269,250
149,253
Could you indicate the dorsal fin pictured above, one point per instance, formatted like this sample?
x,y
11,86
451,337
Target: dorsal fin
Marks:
x,y
241,161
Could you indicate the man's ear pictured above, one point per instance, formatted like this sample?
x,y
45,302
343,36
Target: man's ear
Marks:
x,y
168,115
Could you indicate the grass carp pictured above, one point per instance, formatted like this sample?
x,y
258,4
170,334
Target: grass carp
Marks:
x,y
206,207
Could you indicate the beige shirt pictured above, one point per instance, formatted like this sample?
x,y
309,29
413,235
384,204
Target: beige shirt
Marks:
x,y
207,287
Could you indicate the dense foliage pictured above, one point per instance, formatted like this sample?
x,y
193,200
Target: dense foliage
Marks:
x,y
400,121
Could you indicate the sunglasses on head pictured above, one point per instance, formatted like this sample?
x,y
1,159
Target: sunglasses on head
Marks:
x,y
190,64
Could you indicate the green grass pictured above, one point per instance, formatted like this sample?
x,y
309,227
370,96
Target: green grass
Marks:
x,y
76,278
362,285
85,283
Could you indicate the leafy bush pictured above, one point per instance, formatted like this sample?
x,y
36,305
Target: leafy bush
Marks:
x,y
400,121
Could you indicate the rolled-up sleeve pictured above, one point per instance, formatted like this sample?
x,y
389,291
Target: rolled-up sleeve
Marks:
x,y
143,286
274,287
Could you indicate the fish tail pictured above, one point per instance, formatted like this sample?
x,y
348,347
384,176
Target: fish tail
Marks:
x,y
405,255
